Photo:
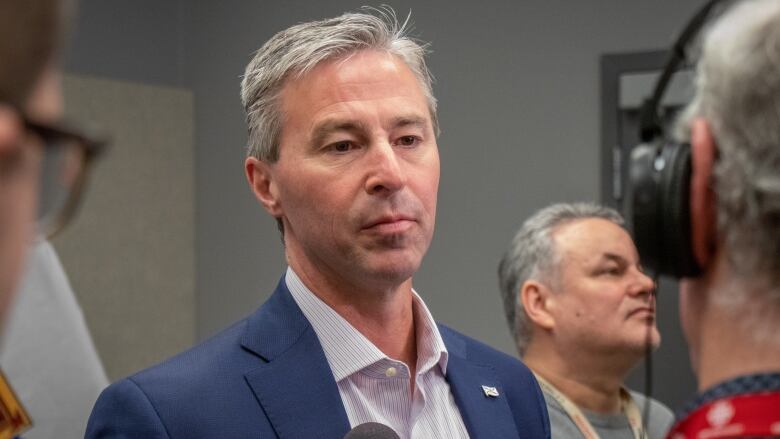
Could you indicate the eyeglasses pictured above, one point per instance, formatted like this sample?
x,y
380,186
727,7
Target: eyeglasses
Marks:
x,y
68,155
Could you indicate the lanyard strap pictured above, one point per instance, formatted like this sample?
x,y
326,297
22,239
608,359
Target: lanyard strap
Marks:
x,y
13,418
627,405
750,415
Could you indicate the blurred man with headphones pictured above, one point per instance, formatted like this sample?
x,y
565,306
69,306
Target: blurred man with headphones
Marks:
x,y
721,192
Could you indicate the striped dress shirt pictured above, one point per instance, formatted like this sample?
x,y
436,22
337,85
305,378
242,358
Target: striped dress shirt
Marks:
x,y
376,388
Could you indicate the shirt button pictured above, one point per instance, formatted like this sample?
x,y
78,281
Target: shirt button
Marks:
x,y
391,372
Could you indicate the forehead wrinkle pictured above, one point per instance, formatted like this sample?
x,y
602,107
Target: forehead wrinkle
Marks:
x,y
409,120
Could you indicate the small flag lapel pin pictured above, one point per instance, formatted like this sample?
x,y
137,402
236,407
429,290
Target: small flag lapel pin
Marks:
x,y
491,392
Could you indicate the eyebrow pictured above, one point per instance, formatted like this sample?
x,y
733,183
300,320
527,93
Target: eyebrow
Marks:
x,y
620,260
614,257
322,130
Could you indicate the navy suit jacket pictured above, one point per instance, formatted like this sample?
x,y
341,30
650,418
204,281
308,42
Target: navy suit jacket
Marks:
x,y
267,377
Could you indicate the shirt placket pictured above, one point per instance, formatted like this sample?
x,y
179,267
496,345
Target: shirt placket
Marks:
x,y
394,379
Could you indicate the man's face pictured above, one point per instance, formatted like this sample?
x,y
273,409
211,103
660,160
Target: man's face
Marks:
x,y
603,303
358,171
20,157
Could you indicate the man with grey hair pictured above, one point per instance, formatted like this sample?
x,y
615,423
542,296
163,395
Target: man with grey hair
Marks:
x,y
342,153
582,313
731,311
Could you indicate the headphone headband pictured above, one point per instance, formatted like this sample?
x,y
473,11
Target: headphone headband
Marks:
x,y
649,122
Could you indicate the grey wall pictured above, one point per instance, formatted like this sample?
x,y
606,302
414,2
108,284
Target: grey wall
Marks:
x,y
517,83
130,256
138,40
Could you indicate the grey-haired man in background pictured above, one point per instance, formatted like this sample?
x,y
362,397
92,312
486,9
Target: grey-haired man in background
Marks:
x,y
582,311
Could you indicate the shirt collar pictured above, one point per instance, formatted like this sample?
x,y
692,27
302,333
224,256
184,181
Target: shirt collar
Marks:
x,y
347,350
746,384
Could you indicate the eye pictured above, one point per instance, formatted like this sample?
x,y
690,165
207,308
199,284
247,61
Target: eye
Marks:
x,y
341,147
612,270
408,141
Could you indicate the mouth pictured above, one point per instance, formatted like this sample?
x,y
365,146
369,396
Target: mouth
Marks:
x,y
390,224
645,312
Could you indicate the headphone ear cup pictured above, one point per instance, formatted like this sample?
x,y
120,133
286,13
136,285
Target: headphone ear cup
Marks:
x,y
645,205
660,208
677,257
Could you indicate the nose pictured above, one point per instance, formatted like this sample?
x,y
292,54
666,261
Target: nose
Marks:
x,y
386,173
642,284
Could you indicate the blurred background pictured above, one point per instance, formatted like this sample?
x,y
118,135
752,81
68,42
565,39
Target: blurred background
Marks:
x,y
170,245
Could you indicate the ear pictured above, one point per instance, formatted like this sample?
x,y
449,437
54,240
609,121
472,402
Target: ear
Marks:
x,y
534,296
702,202
10,131
260,177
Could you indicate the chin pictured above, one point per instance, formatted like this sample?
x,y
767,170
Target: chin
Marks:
x,y
395,262
395,273
654,345
638,343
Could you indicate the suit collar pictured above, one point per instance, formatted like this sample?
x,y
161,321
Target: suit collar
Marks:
x,y
295,385
483,415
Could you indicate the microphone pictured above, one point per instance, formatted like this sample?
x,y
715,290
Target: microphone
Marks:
x,y
372,430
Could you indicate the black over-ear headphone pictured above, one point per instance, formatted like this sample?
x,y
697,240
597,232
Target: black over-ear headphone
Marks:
x,y
660,177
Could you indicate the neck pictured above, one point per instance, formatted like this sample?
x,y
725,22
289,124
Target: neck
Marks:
x,y
589,382
728,348
726,341
383,314
733,356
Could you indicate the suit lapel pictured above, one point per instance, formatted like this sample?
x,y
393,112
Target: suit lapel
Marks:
x,y
295,387
483,415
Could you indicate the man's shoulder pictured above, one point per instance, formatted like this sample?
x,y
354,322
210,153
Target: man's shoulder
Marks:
x,y
204,357
661,417
236,348
655,404
174,397
205,367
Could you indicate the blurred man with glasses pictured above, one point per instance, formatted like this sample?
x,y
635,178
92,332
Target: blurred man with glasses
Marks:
x,y
42,163
42,170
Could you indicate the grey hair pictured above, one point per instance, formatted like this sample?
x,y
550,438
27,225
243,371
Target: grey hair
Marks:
x,y
532,255
297,50
738,93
